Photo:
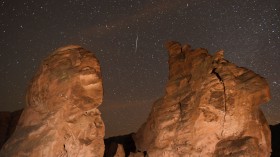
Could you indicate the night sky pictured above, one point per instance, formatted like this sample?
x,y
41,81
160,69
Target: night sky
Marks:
x,y
127,36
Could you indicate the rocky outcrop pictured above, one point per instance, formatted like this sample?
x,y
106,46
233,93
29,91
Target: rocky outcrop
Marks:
x,y
61,116
211,108
8,122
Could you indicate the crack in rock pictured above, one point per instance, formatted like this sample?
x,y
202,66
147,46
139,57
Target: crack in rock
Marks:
x,y
225,103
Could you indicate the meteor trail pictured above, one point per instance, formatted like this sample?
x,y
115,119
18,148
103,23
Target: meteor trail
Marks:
x,y
136,43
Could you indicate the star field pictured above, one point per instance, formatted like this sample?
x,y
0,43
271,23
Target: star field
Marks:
x,y
127,36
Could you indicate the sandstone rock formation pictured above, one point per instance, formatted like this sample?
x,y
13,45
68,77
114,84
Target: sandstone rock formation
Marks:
x,y
61,116
8,122
211,108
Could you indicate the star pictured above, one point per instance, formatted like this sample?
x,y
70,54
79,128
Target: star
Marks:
x,y
128,37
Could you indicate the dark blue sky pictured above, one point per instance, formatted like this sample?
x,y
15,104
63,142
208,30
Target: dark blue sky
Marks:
x,y
127,36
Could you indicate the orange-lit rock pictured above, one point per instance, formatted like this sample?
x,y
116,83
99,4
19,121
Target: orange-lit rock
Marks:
x,y
138,154
211,108
61,116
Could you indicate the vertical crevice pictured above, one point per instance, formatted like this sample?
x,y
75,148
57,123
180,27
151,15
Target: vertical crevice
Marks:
x,y
181,111
180,107
225,97
64,147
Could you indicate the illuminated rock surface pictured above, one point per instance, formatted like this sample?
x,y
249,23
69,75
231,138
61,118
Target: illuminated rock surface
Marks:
x,y
211,108
61,116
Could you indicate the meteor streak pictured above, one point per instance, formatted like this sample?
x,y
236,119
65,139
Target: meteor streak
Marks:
x,y
136,43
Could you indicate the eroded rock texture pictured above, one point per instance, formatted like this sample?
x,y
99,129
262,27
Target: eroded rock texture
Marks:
x,y
61,116
211,108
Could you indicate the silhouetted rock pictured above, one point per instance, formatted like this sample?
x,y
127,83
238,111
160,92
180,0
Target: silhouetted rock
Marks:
x,y
8,122
13,122
61,116
4,126
211,108
111,145
275,140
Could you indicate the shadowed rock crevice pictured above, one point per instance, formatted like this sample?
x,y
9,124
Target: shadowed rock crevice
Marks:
x,y
112,144
225,98
217,74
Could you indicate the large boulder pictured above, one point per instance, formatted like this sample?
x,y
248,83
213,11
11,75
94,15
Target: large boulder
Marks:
x,y
61,116
210,108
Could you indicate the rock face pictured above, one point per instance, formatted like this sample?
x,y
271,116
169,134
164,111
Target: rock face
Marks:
x,y
61,116
211,108
8,122
138,154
